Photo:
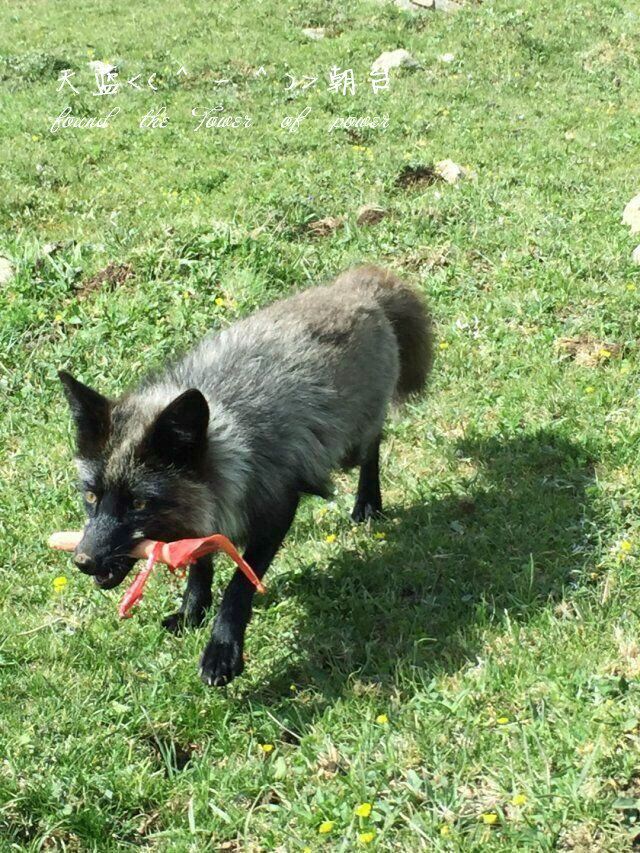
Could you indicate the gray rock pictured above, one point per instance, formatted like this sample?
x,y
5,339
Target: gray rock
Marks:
x,y
427,5
52,248
631,214
447,6
400,58
449,171
410,6
6,270
314,33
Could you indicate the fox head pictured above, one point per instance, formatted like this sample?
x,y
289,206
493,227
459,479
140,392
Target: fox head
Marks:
x,y
141,465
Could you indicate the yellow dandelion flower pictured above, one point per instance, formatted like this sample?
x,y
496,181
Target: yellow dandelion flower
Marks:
x,y
444,345
364,809
625,546
489,818
326,826
631,286
58,318
445,830
589,389
266,748
379,535
366,837
382,719
59,583
604,353
331,537
502,721
220,302
519,800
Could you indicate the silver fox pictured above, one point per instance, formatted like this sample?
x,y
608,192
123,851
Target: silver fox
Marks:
x,y
230,436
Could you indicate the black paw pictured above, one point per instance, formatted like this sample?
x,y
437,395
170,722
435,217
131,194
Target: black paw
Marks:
x,y
363,511
177,622
221,662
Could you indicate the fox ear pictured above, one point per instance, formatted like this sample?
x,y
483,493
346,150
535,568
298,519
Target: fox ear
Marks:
x,y
179,433
91,413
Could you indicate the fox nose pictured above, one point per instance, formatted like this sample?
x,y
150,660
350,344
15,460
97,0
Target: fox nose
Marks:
x,y
85,563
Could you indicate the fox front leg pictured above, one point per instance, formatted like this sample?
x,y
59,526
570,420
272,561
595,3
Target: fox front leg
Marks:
x,y
222,659
196,599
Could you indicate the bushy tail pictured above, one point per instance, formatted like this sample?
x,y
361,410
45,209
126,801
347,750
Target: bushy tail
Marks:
x,y
408,315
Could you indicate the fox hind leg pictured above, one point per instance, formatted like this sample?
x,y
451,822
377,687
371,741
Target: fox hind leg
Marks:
x,y
369,499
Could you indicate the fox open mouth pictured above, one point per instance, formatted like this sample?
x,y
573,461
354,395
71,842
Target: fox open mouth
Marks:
x,y
113,575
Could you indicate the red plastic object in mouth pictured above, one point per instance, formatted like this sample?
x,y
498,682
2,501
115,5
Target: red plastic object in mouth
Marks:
x,y
176,555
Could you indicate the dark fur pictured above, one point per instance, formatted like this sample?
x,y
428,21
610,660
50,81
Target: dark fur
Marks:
x,y
230,436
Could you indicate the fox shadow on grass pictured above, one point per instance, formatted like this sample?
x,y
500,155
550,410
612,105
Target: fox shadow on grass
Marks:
x,y
514,541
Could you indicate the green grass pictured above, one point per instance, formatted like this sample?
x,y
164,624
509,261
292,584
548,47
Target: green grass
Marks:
x,y
493,617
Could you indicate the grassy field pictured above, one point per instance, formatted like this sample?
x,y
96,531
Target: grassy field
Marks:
x,y
468,668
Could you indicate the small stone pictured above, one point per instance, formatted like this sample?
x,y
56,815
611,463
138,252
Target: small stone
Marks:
x,y
370,214
427,5
414,5
631,214
6,271
449,171
400,58
314,33
635,257
51,248
447,57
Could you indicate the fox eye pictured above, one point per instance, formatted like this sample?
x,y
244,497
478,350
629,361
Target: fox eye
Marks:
x,y
139,504
90,497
